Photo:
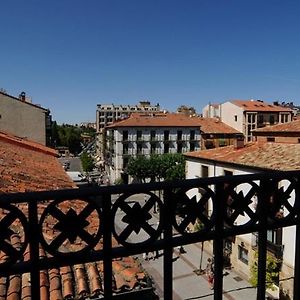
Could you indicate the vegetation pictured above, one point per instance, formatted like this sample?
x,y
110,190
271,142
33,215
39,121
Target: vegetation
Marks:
x,y
87,162
166,166
69,136
272,271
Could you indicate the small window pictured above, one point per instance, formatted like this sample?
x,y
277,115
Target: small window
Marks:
x,y
243,255
270,139
235,118
204,171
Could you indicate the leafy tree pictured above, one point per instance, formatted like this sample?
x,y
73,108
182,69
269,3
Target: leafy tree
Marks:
x,y
272,271
166,166
87,162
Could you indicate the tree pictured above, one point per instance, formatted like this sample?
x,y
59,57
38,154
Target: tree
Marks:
x,y
166,166
272,271
87,162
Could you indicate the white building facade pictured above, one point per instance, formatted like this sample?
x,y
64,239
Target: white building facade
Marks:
x,y
145,136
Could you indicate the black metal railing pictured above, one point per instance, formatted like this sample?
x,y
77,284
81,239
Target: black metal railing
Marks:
x,y
218,203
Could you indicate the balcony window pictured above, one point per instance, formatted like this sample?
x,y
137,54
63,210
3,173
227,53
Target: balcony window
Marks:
x,y
192,146
139,150
125,135
152,135
179,135
153,149
166,135
192,135
179,148
125,149
272,119
139,135
166,148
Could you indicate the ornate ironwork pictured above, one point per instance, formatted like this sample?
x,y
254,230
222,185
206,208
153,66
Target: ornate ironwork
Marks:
x,y
144,218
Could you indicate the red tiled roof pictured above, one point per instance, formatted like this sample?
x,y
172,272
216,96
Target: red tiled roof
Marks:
x,y
293,126
273,156
214,125
27,166
255,105
157,120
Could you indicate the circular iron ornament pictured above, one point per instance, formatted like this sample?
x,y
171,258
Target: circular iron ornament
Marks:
x,y
13,234
283,198
194,210
241,203
72,230
137,219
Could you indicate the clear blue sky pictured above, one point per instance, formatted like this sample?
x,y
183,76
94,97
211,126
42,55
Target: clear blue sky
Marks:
x,y
69,55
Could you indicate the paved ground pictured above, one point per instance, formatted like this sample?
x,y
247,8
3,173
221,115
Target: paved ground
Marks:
x,y
189,286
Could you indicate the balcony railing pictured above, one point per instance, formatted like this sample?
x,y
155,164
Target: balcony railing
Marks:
x,y
178,207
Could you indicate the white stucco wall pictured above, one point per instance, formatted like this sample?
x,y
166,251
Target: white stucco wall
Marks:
x,y
228,111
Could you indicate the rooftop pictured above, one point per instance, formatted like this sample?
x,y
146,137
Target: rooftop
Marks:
x,y
26,166
214,125
271,156
259,105
293,126
157,120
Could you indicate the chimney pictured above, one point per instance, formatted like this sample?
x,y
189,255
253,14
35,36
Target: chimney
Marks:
x,y
239,142
22,96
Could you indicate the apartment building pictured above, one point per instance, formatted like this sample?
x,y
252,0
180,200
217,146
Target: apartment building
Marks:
x,y
146,134
252,158
106,114
248,115
20,117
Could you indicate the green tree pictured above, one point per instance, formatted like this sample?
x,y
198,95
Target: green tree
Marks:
x,y
87,162
272,271
157,167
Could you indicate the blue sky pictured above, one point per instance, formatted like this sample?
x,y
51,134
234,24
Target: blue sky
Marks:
x,y
70,55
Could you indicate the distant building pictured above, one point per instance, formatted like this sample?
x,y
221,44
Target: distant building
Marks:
x,y
24,119
248,115
146,134
106,114
88,125
215,133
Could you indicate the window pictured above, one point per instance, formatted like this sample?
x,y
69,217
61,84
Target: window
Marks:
x,y
243,254
125,162
270,139
152,135
139,150
192,135
179,135
153,148
166,148
166,135
235,118
125,135
272,119
260,119
179,148
139,135
228,173
204,171
125,149
192,146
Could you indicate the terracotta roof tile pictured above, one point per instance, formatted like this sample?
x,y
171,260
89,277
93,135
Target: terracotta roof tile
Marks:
x,y
214,125
25,169
274,156
157,120
293,126
259,105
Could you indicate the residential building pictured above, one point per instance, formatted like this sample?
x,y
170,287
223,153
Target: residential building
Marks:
x,y
27,166
248,115
88,125
24,119
280,133
146,134
215,133
106,114
254,157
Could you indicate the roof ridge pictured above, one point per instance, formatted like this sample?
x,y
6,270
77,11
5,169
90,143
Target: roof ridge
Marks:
x,y
28,144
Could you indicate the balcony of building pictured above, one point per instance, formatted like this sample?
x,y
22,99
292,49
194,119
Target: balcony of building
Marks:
x,y
110,222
